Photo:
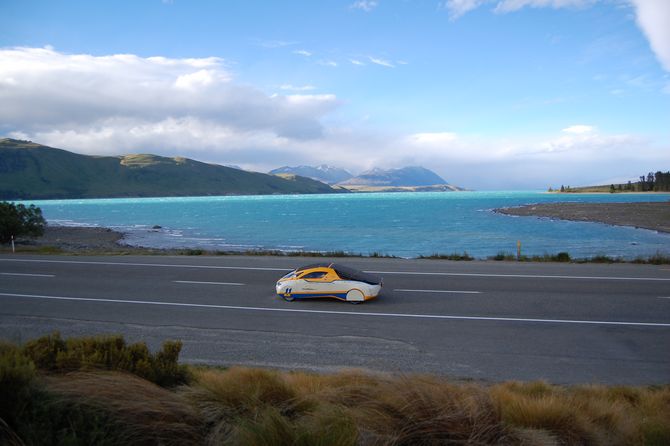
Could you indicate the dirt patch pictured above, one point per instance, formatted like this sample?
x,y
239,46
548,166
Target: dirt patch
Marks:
x,y
654,216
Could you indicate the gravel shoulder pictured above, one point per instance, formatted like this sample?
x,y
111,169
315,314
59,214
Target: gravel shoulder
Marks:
x,y
654,216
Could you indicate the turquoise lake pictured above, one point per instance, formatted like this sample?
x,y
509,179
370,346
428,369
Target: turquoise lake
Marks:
x,y
401,224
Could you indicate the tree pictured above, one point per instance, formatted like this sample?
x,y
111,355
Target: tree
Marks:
x,y
612,189
18,220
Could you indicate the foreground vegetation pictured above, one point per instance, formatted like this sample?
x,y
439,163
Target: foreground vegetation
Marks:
x,y
104,391
19,220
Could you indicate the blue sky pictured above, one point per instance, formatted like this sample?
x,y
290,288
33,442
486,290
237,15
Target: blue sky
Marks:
x,y
491,94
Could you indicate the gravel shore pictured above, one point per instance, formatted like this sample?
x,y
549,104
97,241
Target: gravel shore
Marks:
x,y
654,216
80,240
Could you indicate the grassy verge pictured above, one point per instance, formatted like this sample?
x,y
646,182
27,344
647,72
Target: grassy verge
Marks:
x,y
103,391
656,259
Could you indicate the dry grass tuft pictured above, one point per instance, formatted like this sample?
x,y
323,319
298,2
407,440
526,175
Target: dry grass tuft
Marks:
x,y
243,406
588,415
146,413
427,411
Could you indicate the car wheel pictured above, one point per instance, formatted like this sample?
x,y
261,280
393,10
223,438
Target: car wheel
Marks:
x,y
288,297
355,296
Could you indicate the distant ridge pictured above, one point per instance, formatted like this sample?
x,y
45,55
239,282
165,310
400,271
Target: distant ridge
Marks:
x,y
324,173
406,178
33,171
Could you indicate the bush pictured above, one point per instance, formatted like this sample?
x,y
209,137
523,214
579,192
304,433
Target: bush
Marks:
x,y
53,354
18,220
16,377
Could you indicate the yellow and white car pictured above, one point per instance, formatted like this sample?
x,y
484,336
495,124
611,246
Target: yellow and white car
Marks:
x,y
329,280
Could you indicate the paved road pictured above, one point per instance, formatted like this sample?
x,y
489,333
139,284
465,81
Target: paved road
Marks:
x,y
481,320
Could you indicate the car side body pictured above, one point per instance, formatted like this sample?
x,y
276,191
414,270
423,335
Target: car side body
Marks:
x,y
329,280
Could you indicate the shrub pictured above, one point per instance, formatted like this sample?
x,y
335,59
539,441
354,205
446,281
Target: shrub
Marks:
x,y
19,220
454,256
16,377
53,354
562,257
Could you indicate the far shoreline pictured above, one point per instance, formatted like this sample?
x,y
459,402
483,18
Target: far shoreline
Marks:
x,y
653,216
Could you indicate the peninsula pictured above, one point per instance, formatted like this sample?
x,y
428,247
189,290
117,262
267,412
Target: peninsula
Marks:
x,y
654,216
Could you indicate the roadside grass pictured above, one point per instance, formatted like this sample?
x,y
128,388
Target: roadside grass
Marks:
x,y
563,257
87,395
454,256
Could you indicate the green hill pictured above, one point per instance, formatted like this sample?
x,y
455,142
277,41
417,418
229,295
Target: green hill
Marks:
x,y
33,171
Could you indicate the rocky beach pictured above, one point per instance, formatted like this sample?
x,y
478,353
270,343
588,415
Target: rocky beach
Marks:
x,y
653,216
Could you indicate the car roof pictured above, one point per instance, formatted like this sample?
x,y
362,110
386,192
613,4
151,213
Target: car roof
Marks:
x,y
345,272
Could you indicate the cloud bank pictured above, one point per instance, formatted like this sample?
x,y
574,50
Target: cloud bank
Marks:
x,y
197,108
44,91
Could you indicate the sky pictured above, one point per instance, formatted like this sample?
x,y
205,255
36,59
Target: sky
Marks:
x,y
489,94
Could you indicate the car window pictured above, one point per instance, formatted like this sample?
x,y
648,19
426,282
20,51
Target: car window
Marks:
x,y
314,275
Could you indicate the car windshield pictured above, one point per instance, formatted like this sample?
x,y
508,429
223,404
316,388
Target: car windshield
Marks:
x,y
290,275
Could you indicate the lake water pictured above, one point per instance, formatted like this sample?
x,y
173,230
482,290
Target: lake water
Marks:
x,y
401,224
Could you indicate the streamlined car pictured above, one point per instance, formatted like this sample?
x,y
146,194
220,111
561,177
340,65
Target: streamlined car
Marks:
x,y
329,280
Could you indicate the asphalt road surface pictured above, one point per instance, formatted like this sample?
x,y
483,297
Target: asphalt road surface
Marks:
x,y
490,321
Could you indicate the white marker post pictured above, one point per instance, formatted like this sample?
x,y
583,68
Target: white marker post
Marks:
x,y
518,250
13,250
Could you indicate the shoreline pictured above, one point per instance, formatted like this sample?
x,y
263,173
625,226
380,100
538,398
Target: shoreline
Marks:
x,y
653,216
86,240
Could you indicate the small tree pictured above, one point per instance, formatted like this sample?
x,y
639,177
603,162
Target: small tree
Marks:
x,y
18,220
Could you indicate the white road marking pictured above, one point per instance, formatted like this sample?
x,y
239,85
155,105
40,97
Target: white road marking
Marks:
x,y
345,313
27,275
415,273
523,276
208,283
159,265
664,297
440,291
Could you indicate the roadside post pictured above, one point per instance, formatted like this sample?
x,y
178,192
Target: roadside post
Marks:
x,y
518,250
13,250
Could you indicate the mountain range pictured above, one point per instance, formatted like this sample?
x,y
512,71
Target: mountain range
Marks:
x,y
412,178
324,173
33,171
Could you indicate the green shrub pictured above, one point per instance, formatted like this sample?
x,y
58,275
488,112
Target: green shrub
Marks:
x,y
561,257
53,354
502,255
17,374
17,220
454,256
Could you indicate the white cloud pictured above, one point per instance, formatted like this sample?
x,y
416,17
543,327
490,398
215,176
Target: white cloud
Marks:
x,y
290,87
514,5
365,5
458,8
653,17
356,62
327,63
303,53
382,62
579,129
432,139
47,92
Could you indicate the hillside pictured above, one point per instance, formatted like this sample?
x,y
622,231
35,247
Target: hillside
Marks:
x,y
324,173
33,171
